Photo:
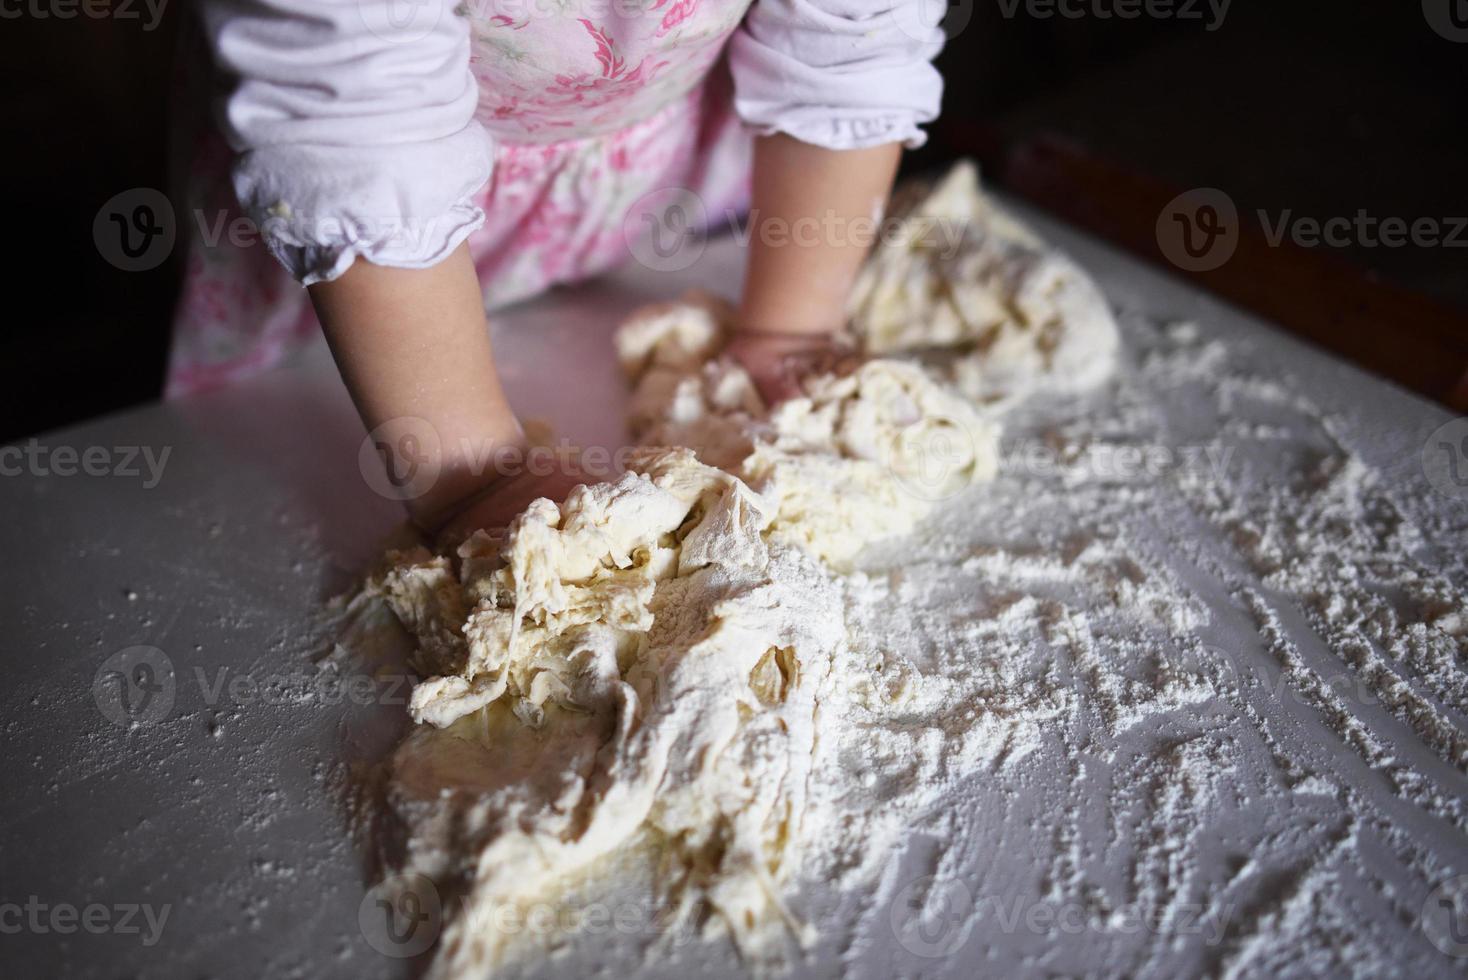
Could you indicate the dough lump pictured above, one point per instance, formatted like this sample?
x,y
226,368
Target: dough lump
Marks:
x,y
643,658
965,275
645,664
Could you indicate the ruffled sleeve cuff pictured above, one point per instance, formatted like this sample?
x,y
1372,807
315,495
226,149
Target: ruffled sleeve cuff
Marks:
x,y
354,128
841,74
851,132
409,206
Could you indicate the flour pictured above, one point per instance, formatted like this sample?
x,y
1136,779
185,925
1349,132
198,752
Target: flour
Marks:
x,y
668,655
963,693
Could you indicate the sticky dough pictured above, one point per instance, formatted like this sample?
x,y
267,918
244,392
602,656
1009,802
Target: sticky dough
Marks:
x,y
641,663
968,277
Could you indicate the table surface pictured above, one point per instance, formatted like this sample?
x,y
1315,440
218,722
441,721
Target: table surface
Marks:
x,y
216,803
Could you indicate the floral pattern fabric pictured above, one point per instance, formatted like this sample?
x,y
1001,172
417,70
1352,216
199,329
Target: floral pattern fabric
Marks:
x,y
590,115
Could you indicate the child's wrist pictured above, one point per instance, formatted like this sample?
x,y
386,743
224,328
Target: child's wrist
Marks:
x,y
470,468
779,341
806,334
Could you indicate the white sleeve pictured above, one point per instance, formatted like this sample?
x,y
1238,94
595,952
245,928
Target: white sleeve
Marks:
x,y
839,73
353,124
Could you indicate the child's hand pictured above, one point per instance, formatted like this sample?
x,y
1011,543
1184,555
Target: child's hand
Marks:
x,y
814,213
777,362
501,502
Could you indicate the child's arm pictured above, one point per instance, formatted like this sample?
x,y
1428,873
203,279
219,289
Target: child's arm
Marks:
x,y
413,347
813,218
359,158
836,88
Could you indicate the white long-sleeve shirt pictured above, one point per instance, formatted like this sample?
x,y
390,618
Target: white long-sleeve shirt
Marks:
x,y
364,127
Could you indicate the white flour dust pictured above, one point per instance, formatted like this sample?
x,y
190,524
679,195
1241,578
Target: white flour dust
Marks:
x,y
863,682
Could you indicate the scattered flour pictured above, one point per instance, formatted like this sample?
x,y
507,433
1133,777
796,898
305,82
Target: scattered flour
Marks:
x,y
751,677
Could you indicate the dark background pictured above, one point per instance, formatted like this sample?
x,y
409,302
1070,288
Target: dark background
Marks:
x,y
1319,108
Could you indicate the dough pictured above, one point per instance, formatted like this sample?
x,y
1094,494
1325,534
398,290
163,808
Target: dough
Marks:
x,y
617,676
646,663
859,458
968,276
659,632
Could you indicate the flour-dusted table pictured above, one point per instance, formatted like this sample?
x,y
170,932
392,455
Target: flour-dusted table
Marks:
x,y
172,763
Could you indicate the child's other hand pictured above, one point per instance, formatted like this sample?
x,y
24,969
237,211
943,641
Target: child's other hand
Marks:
x,y
777,362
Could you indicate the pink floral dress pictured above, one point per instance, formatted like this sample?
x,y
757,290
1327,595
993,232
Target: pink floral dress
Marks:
x,y
586,108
